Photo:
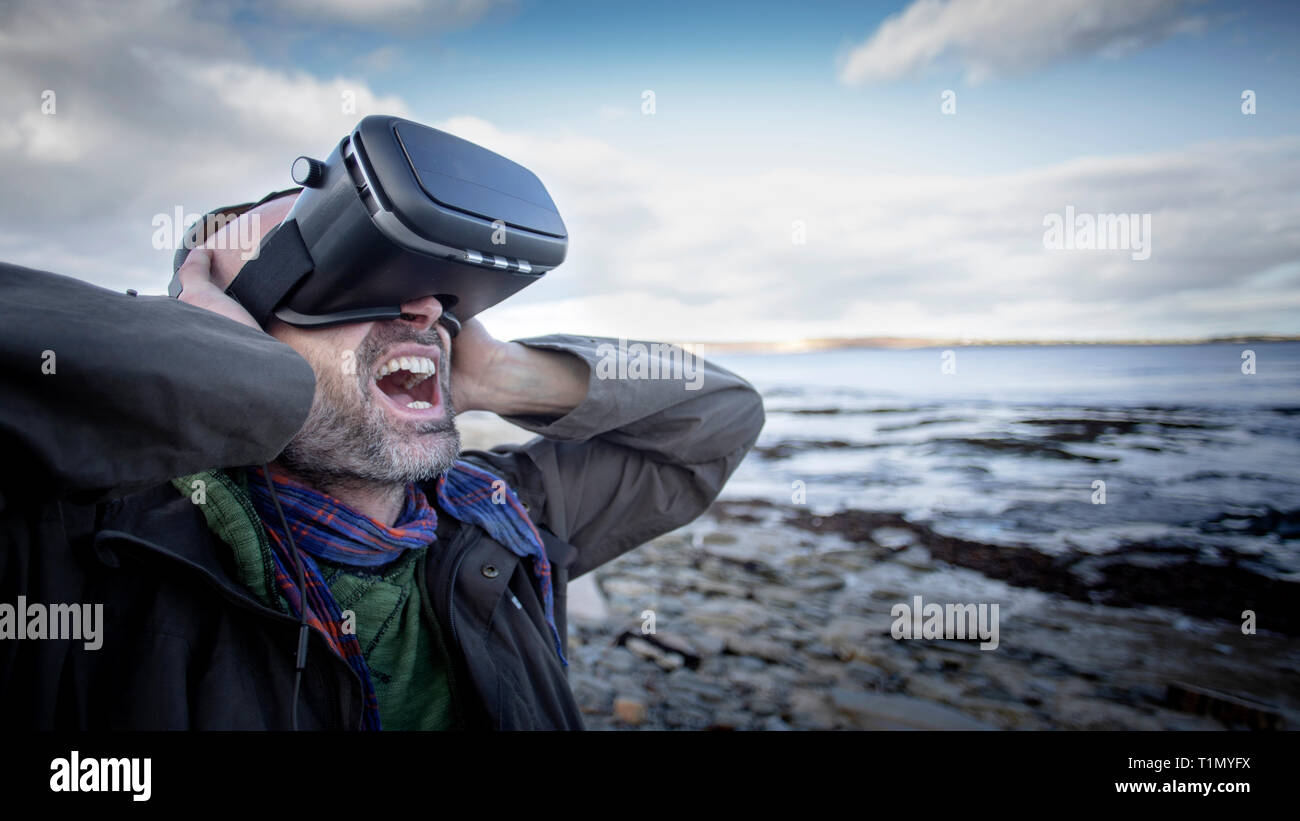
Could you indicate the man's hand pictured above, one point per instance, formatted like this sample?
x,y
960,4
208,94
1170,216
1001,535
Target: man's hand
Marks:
x,y
475,356
198,289
510,379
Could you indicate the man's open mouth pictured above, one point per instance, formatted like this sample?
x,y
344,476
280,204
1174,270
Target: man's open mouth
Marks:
x,y
410,383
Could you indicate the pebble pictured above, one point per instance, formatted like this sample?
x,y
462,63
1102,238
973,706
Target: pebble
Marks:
x,y
618,660
591,694
624,588
687,718
765,649
630,710
894,538
642,648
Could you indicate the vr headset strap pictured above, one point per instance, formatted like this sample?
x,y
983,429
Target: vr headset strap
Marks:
x,y
281,262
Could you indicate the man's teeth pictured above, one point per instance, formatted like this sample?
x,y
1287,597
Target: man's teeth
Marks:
x,y
420,368
418,405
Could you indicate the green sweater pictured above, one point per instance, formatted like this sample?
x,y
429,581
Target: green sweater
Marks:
x,y
399,634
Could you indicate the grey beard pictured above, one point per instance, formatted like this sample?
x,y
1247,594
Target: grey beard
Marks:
x,y
349,443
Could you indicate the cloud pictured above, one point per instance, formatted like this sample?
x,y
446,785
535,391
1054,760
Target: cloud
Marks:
x,y
145,121
405,14
994,37
655,252
381,59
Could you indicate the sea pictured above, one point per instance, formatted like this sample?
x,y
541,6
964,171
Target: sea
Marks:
x,y
1063,449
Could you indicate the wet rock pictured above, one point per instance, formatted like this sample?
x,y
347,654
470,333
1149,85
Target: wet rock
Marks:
x,y
993,692
1071,665
715,588
817,677
1005,715
791,636
1184,722
776,724
618,660
894,538
758,682
674,644
730,615
780,596
859,674
1233,709
872,711
687,718
592,695
811,710
670,661
934,689
626,588
746,663
730,720
818,584
626,684
774,651
644,649
915,557
1091,714
744,557
708,644
847,637
686,684
664,649
969,648
762,706
820,650
847,560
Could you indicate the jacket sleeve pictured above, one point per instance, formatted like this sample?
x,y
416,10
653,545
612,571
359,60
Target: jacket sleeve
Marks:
x,y
638,458
104,393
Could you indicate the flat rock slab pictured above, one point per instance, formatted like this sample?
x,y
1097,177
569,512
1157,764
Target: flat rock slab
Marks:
x,y
887,711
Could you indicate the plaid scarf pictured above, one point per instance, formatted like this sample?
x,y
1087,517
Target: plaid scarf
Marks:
x,y
325,528
471,494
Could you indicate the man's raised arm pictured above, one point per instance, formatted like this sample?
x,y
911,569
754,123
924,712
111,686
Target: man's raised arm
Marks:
x,y
102,393
639,456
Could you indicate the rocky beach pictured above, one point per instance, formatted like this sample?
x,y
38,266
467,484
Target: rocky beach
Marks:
x,y
768,616
787,625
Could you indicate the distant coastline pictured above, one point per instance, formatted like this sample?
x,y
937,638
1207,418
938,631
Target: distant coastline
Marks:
x,y
903,343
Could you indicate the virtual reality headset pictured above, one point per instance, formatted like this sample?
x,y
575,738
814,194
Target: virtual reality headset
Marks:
x,y
396,212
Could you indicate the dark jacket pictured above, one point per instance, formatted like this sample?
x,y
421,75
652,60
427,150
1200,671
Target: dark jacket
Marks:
x,y
145,389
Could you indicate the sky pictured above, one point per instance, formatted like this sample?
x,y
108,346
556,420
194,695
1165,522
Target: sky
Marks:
x,y
726,171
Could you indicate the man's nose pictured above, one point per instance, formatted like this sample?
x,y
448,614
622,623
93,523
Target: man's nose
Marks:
x,y
421,313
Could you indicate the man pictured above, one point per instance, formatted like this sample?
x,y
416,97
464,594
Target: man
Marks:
x,y
433,580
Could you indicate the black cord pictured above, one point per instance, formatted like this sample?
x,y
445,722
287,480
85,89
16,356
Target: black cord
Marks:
x,y
300,657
